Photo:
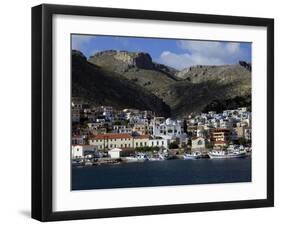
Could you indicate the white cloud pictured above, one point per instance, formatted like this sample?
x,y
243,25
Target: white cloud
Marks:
x,y
80,41
203,53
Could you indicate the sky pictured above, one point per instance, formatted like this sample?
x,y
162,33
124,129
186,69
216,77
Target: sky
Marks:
x,y
176,53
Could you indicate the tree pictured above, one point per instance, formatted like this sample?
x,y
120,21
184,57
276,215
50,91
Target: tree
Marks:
x,y
209,146
242,141
173,145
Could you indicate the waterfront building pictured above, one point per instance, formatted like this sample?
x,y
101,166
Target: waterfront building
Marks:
x,y
80,151
198,143
115,153
112,140
158,142
140,141
220,137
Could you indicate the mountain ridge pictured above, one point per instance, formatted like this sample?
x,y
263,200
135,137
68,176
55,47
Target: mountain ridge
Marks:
x,y
181,92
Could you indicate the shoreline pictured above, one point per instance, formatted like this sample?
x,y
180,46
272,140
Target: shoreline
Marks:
x,y
123,161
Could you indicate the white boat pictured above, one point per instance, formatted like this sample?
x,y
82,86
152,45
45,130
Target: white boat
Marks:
x,y
130,159
158,157
88,163
225,154
193,155
140,157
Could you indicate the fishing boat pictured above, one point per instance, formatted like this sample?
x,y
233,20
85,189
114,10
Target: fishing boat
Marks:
x,y
140,157
158,157
193,155
226,154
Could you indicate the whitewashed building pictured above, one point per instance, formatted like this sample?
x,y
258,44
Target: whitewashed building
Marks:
x,y
112,140
161,143
79,151
169,129
198,143
115,153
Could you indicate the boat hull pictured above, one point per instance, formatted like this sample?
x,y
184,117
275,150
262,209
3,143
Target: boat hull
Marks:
x,y
227,156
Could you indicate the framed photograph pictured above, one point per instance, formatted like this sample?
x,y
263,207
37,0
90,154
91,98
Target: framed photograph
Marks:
x,y
146,112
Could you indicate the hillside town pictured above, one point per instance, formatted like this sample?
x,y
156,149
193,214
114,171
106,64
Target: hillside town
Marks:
x,y
105,135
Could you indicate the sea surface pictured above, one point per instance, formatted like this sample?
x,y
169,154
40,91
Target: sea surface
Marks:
x,y
162,173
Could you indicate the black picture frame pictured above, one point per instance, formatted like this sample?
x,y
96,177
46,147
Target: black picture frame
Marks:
x,y
42,111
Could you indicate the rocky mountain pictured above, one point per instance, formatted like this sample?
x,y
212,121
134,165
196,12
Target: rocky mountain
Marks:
x,y
124,61
99,86
195,89
201,73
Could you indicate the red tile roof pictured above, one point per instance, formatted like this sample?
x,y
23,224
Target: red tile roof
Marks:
x,y
112,136
142,137
220,142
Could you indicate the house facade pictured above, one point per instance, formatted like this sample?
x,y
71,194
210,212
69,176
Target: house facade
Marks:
x,y
112,140
169,129
79,151
220,137
198,143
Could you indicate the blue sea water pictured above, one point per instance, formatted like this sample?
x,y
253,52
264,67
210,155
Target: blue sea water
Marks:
x,y
162,173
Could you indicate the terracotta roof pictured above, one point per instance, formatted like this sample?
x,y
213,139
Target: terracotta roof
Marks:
x,y
220,142
142,137
112,136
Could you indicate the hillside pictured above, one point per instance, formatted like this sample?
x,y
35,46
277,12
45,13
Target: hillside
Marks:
x,y
198,88
102,87
137,67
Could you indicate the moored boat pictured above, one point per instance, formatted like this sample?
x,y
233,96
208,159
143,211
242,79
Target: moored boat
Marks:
x,y
140,157
193,155
225,154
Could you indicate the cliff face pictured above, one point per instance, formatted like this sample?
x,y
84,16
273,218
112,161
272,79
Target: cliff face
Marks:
x,y
139,60
124,61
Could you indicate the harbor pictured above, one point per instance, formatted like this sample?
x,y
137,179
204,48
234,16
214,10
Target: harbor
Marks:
x,y
98,158
162,173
